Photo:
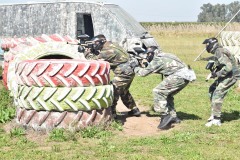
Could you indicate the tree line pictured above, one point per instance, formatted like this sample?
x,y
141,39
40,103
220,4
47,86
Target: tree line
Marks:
x,y
219,12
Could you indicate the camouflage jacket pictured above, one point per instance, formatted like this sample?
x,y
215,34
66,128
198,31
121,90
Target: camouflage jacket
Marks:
x,y
226,62
162,63
116,56
110,53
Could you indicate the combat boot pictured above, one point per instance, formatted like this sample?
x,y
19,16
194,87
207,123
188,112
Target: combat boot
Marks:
x,y
134,112
215,121
176,120
114,112
210,118
166,121
114,115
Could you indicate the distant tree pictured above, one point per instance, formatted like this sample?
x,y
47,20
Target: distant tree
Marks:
x,y
232,9
206,14
219,12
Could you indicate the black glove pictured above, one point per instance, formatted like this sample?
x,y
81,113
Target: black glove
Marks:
x,y
81,49
95,52
133,62
145,64
214,75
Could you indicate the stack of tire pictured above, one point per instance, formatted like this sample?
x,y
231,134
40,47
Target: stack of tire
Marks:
x,y
55,87
231,41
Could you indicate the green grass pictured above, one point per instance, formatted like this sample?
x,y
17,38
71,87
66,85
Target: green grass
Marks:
x,y
7,110
17,132
190,140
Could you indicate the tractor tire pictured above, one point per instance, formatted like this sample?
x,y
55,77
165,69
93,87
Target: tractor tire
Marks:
x,y
65,98
62,73
231,41
38,51
230,38
74,121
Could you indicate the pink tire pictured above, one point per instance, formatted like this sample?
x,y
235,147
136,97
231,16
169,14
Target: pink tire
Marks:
x,y
34,52
62,73
45,120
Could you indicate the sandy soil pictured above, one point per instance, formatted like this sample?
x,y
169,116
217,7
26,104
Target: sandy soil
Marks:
x,y
144,125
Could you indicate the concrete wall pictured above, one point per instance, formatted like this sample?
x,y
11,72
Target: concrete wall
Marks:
x,y
24,20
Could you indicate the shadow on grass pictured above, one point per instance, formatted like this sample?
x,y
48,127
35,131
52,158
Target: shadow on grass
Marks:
x,y
230,116
186,116
181,115
122,116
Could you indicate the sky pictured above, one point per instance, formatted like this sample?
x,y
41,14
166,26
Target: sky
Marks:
x,y
153,10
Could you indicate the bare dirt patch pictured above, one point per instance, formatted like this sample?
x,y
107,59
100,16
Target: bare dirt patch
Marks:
x,y
145,125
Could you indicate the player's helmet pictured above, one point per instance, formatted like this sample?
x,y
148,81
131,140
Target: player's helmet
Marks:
x,y
211,44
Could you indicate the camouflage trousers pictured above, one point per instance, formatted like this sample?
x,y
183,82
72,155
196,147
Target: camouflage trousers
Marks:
x,y
217,92
121,84
164,92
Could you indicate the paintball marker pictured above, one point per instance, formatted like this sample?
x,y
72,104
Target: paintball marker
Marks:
x,y
83,43
210,66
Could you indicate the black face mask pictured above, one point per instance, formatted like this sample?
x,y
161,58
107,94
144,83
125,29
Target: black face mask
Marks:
x,y
150,57
210,47
98,45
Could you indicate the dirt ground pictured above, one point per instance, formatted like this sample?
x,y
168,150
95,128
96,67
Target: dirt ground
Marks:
x,y
144,125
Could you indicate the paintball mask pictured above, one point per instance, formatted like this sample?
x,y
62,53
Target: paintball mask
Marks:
x,y
150,52
211,44
98,42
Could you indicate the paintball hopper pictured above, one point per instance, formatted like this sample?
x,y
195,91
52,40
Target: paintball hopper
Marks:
x,y
83,38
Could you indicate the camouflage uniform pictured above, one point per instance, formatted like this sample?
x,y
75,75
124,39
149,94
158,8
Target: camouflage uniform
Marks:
x,y
227,77
123,73
175,73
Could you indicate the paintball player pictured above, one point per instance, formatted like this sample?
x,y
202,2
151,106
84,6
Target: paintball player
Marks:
x,y
227,74
122,68
177,76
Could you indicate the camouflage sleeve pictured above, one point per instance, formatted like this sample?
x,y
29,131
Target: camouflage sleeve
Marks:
x,y
91,56
224,63
146,71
